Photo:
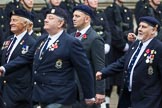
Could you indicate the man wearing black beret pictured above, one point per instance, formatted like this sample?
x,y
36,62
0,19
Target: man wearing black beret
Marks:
x,y
94,46
16,83
141,67
55,57
27,5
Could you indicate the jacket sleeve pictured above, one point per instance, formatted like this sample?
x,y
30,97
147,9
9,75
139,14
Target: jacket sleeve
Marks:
x,y
83,69
98,61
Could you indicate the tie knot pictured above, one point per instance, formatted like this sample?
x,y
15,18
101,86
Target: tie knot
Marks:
x,y
14,39
77,34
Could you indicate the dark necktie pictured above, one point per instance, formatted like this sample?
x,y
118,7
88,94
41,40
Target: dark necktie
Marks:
x,y
131,64
77,34
10,47
45,46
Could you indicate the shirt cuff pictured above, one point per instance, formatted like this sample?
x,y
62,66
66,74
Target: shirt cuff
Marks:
x,y
107,48
126,47
93,99
4,70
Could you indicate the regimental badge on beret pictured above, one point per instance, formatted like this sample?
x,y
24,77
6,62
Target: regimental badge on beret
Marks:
x,y
150,70
58,64
53,11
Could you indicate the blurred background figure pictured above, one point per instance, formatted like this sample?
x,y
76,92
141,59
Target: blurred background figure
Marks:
x,y
50,4
139,4
68,5
30,27
101,25
151,8
121,23
27,5
2,25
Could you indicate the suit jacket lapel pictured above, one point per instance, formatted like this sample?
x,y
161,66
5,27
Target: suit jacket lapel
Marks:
x,y
131,51
73,34
19,47
52,47
38,55
84,39
4,48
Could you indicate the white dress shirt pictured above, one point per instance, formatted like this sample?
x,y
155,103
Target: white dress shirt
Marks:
x,y
83,31
145,44
19,37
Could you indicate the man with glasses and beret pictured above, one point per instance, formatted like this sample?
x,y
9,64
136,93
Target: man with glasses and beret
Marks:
x,y
141,67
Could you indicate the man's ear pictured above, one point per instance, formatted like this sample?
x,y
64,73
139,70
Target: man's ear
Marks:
x,y
87,18
156,28
61,23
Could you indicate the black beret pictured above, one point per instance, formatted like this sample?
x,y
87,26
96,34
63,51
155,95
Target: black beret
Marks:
x,y
84,8
151,21
57,11
21,13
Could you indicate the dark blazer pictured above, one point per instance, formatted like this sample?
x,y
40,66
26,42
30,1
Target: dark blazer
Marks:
x,y
16,84
94,46
53,72
34,35
146,85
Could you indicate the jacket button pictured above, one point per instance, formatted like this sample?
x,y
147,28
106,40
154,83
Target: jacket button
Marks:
x,y
35,72
4,81
35,83
40,58
124,79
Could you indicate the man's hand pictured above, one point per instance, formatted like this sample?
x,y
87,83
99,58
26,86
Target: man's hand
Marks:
x,y
90,101
131,37
100,98
98,75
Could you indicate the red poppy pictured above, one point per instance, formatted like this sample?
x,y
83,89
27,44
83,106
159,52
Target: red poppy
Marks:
x,y
55,45
84,36
148,51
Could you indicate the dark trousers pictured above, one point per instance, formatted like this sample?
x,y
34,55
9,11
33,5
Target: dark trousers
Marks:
x,y
84,105
52,105
1,102
125,100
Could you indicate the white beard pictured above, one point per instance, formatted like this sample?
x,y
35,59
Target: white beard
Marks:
x,y
139,38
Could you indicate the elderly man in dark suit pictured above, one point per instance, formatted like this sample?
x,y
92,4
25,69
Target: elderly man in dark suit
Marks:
x,y
55,57
142,68
93,44
16,84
